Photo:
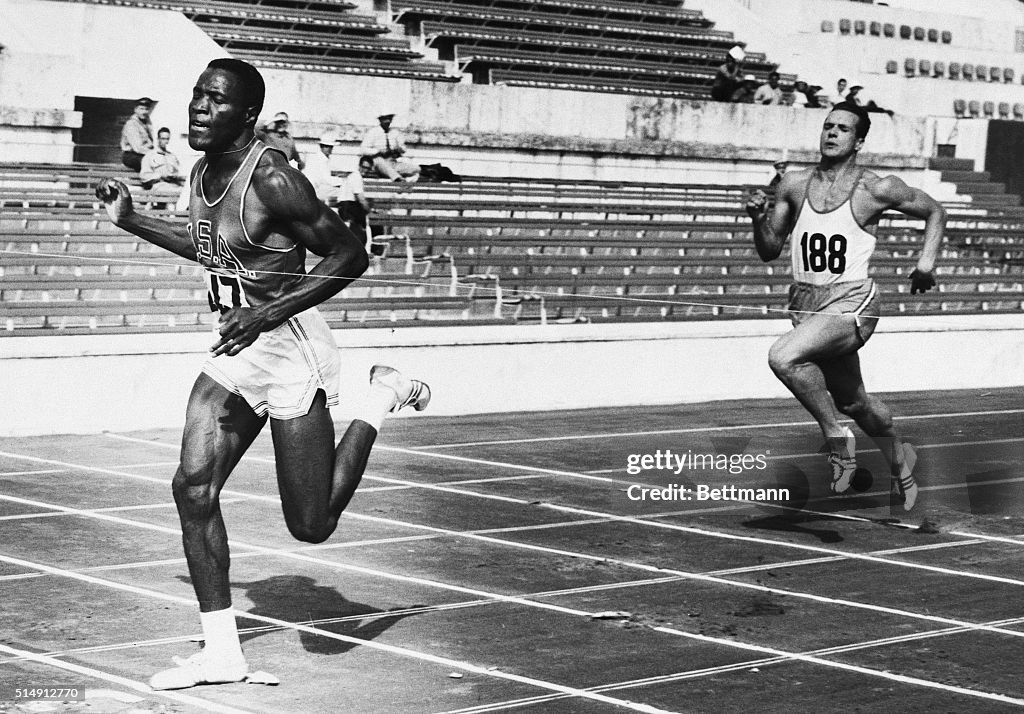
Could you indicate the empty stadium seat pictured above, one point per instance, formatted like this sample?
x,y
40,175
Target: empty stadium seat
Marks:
x,y
981,72
960,107
875,28
919,33
939,68
1018,110
1008,74
859,27
924,67
844,26
954,70
989,108
968,70
906,32
889,29
828,26
1004,110
933,35
910,66
974,107
947,37
892,67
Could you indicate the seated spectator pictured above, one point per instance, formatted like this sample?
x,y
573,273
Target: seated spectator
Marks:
x,y
137,134
780,167
160,171
274,134
815,99
353,205
855,96
385,148
318,170
798,97
841,92
727,78
745,94
770,92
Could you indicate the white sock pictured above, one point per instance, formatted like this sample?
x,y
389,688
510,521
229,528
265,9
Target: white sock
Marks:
x,y
379,401
221,634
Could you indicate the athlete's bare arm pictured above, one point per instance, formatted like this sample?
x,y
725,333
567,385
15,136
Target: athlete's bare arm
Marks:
x,y
295,211
773,225
896,195
891,193
172,236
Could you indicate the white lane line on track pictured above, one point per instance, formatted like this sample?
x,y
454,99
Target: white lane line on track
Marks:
x,y
570,691
390,649
121,681
958,623
632,520
564,553
696,430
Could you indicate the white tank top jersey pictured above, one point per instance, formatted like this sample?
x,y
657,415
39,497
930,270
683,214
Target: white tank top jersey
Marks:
x,y
830,247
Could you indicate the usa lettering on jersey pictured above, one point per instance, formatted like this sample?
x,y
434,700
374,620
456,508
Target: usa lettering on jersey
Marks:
x,y
223,268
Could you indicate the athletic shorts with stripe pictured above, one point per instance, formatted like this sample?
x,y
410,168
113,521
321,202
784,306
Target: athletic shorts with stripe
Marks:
x,y
282,370
859,298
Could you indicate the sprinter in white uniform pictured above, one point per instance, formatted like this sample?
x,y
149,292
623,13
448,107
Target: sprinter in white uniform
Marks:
x,y
830,215
252,218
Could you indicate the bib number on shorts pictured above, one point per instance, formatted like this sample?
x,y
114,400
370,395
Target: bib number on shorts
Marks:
x,y
820,254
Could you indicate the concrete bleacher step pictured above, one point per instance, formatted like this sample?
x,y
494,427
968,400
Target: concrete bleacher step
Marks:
x,y
947,163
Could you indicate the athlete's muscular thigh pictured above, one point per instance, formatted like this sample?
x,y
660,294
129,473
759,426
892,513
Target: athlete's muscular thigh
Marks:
x,y
219,427
304,453
820,337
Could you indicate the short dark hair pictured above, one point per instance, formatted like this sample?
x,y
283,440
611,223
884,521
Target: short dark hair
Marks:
x,y
163,129
863,118
254,89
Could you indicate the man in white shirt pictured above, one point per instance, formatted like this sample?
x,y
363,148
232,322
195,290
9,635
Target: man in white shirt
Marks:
x,y
318,170
160,170
385,147
770,93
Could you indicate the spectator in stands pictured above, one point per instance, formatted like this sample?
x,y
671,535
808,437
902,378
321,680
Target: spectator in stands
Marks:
x,y
814,97
385,147
318,170
353,205
727,78
275,135
770,92
137,134
856,96
840,95
745,94
779,167
161,171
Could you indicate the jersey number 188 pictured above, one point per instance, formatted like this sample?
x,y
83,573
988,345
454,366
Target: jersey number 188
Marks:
x,y
820,254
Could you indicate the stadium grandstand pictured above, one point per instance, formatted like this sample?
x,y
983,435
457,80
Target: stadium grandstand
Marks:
x,y
599,182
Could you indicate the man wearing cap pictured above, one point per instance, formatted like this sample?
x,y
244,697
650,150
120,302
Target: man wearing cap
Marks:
x,y
745,94
318,169
384,147
727,78
275,135
137,134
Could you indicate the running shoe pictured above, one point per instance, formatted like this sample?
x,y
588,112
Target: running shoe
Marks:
x,y
843,466
904,487
411,392
199,669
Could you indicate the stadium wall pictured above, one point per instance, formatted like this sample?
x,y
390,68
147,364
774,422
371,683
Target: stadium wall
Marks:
x,y
88,384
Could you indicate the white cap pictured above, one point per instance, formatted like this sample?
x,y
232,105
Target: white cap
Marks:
x,y
329,137
749,78
737,53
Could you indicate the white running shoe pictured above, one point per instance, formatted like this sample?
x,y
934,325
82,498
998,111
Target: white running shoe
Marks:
x,y
904,487
199,669
411,392
843,467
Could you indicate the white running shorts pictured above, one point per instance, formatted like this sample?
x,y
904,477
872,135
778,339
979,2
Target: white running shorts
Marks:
x,y
282,370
